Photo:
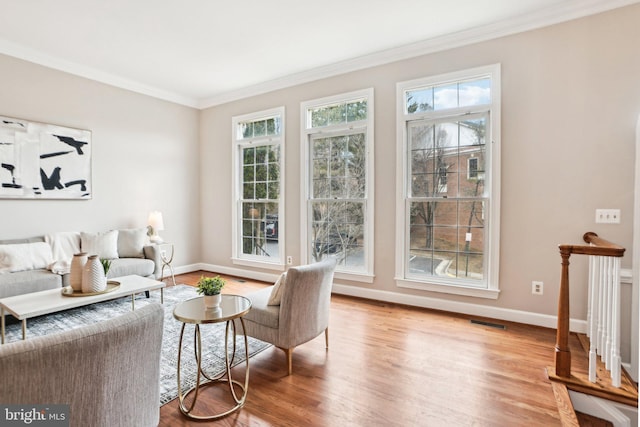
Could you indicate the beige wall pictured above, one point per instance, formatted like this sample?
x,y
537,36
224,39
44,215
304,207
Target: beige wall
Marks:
x,y
570,102
145,157
571,99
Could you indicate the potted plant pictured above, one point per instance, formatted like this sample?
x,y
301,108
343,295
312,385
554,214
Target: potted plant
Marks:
x,y
210,287
106,265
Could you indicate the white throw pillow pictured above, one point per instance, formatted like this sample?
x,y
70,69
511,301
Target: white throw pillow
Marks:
x,y
105,245
131,242
276,292
25,256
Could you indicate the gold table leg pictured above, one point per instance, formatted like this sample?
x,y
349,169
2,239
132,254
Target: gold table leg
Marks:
x,y
24,329
166,262
2,320
162,276
225,377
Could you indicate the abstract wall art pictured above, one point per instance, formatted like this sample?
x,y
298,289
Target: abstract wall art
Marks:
x,y
43,161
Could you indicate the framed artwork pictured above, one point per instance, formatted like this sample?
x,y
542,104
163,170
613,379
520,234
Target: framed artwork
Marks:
x,y
43,161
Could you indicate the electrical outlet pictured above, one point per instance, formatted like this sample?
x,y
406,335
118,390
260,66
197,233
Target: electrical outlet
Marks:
x,y
289,260
607,216
537,288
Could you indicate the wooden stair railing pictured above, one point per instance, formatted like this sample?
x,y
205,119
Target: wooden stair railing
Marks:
x,y
603,326
598,247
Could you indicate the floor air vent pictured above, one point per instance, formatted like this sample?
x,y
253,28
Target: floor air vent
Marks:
x,y
491,325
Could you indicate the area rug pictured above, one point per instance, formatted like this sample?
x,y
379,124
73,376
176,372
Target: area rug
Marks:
x,y
213,360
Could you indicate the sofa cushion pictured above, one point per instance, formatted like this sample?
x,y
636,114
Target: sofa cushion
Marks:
x,y
24,282
127,266
131,242
24,256
105,245
260,311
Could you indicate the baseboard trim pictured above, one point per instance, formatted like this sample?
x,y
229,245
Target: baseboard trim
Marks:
x,y
506,314
518,316
229,271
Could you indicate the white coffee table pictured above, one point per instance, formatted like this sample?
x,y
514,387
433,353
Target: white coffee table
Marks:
x,y
33,304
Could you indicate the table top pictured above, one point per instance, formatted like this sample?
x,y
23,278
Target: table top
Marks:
x,y
194,311
45,302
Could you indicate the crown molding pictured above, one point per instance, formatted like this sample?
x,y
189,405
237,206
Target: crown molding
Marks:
x,y
566,11
37,57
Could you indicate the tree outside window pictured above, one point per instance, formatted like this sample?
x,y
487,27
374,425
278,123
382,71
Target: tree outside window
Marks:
x,y
338,138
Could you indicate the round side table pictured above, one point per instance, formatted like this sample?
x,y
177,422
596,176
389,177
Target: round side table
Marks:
x,y
193,311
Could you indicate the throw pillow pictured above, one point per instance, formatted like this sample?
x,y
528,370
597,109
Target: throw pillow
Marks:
x,y
105,245
276,292
25,256
131,242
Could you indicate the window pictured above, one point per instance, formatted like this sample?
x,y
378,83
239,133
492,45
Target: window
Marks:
x,y
258,211
338,136
448,183
473,171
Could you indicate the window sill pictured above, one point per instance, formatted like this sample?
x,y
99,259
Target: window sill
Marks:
x,y
448,289
355,277
258,264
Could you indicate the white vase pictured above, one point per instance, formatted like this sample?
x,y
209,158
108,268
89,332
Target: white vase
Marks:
x,y
212,301
75,273
93,278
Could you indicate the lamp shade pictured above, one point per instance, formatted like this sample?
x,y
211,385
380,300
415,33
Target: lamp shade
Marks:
x,y
155,221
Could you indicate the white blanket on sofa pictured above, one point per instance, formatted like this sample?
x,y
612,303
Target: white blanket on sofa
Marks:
x,y
63,246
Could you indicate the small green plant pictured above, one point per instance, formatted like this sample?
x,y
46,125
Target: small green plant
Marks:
x,y
210,285
106,265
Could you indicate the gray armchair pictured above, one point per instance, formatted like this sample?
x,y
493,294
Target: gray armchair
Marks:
x,y
303,313
108,372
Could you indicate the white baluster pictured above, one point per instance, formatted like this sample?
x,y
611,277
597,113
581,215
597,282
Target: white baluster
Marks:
x,y
601,306
606,350
615,321
592,315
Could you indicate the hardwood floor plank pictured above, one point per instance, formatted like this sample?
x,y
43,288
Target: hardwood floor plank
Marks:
x,y
395,365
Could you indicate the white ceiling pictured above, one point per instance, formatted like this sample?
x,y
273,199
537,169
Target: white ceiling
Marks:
x,y
205,52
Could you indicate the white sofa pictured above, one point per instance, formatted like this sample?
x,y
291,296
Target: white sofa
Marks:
x,y
128,249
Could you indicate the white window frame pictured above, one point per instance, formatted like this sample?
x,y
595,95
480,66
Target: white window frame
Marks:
x,y
492,182
246,259
306,132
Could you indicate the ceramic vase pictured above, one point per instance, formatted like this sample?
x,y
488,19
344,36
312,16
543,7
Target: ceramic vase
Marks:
x,y
77,268
212,301
93,278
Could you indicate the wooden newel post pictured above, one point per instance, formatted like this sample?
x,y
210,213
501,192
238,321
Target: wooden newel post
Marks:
x,y
563,354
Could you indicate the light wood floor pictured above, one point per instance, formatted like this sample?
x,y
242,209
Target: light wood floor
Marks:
x,y
391,365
